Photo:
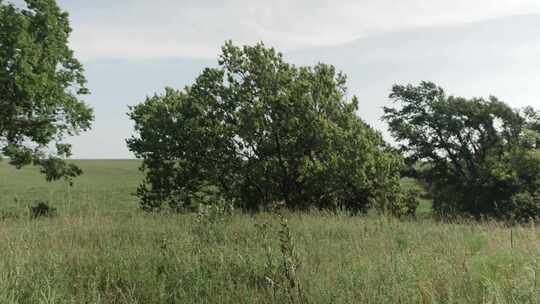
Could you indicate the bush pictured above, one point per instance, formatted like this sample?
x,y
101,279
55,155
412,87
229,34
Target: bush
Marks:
x,y
260,131
42,209
525,206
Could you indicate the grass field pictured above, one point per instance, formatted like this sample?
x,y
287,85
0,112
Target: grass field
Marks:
x,y
102,249
105,188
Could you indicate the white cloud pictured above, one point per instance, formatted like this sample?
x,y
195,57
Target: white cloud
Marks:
x,y
141,29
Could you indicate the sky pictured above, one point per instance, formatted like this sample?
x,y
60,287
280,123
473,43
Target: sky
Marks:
x,y
135,48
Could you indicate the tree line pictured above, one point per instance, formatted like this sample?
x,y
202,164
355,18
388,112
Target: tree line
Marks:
x,y
257,131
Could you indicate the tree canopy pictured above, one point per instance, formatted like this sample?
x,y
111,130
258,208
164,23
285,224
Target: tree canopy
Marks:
x,y
257,130
41,85
479,154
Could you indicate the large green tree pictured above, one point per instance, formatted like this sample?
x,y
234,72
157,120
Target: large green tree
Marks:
x,y
479,155
41,84
258,130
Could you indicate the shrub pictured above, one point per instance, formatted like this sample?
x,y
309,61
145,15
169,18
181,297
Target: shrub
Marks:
x,y
42,209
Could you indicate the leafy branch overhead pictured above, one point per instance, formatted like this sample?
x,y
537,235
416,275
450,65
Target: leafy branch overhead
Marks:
x,y
41,86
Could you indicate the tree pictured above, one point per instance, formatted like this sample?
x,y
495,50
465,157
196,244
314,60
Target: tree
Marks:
x,y
477,153
41,84
258,130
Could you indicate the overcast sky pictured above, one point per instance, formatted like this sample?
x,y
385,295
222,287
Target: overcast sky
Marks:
x,y
143,29
132,49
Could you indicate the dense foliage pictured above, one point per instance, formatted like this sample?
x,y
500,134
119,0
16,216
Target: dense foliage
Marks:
x,y
40,88
480,156
257,131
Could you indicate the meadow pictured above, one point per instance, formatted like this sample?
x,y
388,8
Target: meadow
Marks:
x,y
100,248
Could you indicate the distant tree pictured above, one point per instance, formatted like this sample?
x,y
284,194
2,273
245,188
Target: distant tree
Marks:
x,y
40,86
532,125
479,155
258,130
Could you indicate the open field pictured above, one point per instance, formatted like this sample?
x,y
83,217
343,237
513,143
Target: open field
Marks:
x,y
101,249
106,187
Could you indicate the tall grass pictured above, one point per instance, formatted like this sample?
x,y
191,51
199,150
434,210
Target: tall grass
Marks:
x,y
101,249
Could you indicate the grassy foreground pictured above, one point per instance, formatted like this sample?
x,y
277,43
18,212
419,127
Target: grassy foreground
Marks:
x,y
101,249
